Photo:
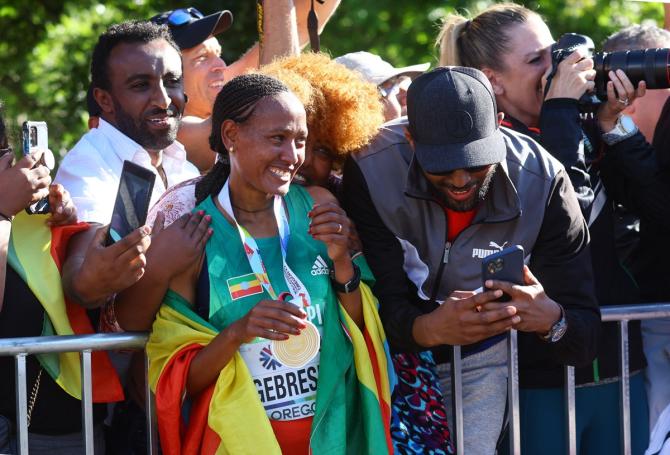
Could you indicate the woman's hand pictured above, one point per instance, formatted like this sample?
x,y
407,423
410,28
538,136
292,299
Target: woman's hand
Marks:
x,y
331,225
620,94
574,77
270,319
62,209
188,235
22,184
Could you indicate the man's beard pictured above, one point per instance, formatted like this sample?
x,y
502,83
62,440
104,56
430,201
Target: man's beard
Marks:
x,y
141,133
478,197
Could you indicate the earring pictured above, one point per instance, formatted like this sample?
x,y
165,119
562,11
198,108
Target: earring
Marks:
x,y
231,149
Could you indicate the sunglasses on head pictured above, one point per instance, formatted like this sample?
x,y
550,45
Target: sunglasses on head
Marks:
x,y
180,17
5,150
469,170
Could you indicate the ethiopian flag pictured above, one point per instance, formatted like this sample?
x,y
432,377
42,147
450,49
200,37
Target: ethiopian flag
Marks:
x,y
36,253
353,391
242,286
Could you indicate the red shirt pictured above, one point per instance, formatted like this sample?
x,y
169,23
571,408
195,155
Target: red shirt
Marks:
x,y
457,221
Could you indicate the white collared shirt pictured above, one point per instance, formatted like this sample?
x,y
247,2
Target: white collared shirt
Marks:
x,y
92,169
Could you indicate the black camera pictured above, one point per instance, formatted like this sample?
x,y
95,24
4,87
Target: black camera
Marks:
x,y
649,65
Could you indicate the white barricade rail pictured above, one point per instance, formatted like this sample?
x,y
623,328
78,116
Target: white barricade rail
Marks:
x,y
621,314
85,344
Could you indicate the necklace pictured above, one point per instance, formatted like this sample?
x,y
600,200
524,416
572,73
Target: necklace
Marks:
x,y
253,211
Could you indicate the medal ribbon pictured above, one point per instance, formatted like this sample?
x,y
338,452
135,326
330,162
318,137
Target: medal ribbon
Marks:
x,y
253,253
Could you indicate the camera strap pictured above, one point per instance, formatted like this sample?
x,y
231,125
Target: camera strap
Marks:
x,y
550,77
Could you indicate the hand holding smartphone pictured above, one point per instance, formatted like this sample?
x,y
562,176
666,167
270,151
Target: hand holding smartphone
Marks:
x,y
506,265
35,137
132,201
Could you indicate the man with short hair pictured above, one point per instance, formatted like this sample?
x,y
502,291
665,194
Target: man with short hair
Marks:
x,y
137,84
433,195
205,72
648,171
136,81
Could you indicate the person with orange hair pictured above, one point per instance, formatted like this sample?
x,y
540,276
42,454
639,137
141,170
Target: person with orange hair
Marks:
x,y
344,113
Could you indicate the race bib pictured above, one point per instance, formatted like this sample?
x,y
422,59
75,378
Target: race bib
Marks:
x,y
286,393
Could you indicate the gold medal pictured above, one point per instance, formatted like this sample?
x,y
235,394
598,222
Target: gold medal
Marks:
x,y
298,350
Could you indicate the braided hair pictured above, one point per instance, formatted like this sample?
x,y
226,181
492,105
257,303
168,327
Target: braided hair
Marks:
x,y
236,101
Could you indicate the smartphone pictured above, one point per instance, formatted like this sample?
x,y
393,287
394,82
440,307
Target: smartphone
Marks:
x,y
35,136
132,201
506,265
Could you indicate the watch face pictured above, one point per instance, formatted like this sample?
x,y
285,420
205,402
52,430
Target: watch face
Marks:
x,y
558,330
627,123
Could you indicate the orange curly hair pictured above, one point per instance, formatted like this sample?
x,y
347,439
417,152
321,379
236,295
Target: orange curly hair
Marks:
x,y
344,112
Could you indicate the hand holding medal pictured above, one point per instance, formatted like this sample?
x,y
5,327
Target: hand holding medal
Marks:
x,y
298,350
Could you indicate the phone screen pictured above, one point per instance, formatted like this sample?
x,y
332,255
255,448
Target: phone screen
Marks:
x,y
35,135
132,201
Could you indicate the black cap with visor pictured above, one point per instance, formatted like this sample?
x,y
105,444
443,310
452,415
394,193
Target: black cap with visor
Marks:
x,y
189,27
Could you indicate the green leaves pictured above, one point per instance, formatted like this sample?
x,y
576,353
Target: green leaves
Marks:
x,y
45,45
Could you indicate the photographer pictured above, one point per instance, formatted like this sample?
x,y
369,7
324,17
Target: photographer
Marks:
x,y
652,114
513,47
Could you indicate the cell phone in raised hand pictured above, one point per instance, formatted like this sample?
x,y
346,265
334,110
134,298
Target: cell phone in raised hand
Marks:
x,y
132,201
35,136
506,265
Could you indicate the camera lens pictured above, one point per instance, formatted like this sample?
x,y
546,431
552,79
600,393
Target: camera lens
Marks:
x,y
649,65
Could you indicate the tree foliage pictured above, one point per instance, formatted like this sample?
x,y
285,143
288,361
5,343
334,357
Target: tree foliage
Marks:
x,y
45,45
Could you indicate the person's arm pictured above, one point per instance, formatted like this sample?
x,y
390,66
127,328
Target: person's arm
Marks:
x,y
173,250
20,185
561,261
399,303
561,135
279,25
330,224
194,133
92,273
632,176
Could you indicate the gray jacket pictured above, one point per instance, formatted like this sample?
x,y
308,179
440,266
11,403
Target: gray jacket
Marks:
x,y
404,232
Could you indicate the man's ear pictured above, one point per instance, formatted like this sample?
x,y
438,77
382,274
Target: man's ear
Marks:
x,y
104,100
409,138
229,131
493,78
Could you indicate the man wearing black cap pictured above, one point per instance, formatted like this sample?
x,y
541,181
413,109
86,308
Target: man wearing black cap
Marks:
x,y
205,72
433,195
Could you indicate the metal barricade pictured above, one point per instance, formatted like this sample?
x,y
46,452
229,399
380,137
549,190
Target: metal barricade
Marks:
x,y
85,344
621,314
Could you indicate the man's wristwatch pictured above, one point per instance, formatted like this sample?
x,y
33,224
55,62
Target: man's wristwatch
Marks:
x,y
349,286
624,128
557,330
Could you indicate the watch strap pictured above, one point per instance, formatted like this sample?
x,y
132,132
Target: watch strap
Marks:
x,y
351,285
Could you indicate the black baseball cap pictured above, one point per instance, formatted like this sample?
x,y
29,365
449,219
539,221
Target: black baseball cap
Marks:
x,y
453,121
189,27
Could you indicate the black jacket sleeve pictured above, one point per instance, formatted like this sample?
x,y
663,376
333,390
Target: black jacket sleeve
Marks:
x,y
561,261
633,177
399,303
562,135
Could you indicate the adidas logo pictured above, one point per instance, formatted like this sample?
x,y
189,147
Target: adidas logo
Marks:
x,y
320,267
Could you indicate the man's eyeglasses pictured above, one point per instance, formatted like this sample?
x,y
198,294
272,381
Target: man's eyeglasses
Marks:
x,y
469,170
5,150
179,17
